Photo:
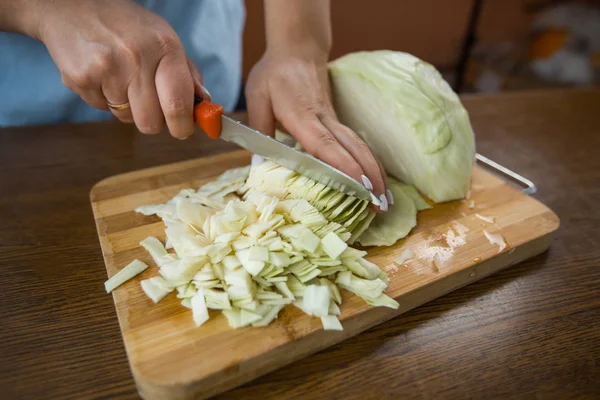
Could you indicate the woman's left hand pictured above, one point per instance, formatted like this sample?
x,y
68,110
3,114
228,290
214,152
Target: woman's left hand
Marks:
x,y
294,90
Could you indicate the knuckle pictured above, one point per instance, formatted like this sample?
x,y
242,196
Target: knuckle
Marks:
x,y
326,139
101,64
327,148
175,108
305,101
361,146
168,42
132,53
322,144
253,93
320,108
256,100
77,80
354,142
89,73
256,92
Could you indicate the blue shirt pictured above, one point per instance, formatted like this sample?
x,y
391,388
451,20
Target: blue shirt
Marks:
x,y
31,90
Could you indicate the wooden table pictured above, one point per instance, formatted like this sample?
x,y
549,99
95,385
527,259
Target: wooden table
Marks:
x,y
530,330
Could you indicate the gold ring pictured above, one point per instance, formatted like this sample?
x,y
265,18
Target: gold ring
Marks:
x,y
118,107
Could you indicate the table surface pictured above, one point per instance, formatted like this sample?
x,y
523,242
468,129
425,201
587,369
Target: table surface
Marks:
x,y
531,330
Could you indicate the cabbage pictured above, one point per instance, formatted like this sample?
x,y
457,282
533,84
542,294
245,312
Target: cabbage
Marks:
x,y
316,300
382,301
199,309
411,192
132,269
269,315
361,287
216,299
409,116
334,309
308,202
156,249
249,257
331,323
333,245
386,229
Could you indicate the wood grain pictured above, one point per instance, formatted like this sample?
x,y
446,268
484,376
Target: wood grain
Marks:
x,y
172,359
527,332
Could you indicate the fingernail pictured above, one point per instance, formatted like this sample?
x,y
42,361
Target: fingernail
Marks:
x,y
206,90
390,196
375,200
384,203
366,182
256,160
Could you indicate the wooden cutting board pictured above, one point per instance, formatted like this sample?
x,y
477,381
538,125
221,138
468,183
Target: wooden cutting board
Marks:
x,y
172,359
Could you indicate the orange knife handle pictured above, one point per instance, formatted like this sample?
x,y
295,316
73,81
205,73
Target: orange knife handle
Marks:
x,y
208,117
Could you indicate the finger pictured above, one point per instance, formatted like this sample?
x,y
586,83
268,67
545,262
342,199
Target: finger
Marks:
x,y
145,105
88,86
175,88
321,143
199,88
359,150
115,90
388,192
94,98
260,113
362,154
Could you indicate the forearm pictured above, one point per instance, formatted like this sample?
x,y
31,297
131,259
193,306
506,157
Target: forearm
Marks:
x,y
298,25
21,16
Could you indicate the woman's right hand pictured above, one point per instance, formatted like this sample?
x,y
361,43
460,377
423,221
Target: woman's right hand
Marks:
x,y
117,52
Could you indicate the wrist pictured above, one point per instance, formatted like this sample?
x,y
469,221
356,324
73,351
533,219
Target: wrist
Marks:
x,y
309,50
299,28
22,16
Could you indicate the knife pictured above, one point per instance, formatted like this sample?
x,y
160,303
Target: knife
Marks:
x,y
220,126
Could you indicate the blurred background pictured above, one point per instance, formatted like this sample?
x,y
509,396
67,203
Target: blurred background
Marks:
x,y
479,45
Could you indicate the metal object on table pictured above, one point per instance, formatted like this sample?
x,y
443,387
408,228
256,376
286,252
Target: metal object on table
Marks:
x,y
528,186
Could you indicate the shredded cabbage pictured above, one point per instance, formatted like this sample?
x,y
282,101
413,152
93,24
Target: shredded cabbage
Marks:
x,y
248,257
333,245
199,309
331,323
129,271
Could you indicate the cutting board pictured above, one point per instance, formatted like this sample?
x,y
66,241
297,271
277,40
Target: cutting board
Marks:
x,y
172,359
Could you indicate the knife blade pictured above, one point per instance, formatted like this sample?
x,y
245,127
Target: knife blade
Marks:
x,y
303,163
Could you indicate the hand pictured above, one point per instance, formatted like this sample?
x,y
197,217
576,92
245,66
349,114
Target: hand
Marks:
x,y
294,89
118,52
